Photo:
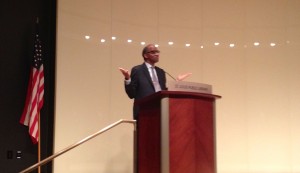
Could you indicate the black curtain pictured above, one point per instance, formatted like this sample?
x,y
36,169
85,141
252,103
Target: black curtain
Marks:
x,y
18,21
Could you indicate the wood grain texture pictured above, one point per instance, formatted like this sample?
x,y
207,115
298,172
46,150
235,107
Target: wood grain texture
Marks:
x,y
191,137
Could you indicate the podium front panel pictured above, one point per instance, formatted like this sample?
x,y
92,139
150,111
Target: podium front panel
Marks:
x,y
192,141
176,134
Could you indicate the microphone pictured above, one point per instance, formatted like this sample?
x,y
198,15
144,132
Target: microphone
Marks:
x,y
170,76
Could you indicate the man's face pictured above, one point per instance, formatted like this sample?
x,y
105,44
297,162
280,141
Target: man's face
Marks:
x,y
152,55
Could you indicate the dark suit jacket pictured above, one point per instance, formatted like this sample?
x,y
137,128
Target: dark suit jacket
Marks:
x,y
141,84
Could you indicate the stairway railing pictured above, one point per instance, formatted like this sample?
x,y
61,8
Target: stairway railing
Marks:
x,y
50,158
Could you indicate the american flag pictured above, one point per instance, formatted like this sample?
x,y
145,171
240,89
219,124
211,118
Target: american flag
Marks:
x,y
35,93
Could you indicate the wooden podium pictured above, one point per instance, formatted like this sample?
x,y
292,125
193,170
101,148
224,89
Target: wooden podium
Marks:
x,y
176,133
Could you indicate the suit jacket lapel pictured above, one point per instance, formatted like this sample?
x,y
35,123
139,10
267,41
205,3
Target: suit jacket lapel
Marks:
x,y
147,74
159,76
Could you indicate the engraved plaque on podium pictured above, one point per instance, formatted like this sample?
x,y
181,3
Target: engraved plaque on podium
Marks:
x,y
189,87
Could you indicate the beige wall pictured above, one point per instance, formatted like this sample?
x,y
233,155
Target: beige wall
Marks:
x,y
259,115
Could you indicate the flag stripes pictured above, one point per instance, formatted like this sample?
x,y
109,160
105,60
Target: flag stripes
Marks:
x,y
35,93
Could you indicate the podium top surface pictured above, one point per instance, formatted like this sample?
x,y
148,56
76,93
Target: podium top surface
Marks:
x,y
177,94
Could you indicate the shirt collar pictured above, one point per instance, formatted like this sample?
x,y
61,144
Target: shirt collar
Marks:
x,y
149,65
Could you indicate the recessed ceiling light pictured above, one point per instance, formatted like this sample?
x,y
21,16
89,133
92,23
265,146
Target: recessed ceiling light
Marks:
x,y
256,43
113,38
87,37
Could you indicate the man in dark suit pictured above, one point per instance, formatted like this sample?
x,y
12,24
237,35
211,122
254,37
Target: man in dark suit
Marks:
x,y
145,79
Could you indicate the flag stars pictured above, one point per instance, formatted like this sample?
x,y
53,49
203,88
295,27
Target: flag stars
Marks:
x,y
37,58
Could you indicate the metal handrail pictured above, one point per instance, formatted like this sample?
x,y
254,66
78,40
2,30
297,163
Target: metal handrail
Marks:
x,y
50,158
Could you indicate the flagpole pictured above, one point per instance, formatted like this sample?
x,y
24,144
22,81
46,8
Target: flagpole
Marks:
x,y
39,129
35,95
39,142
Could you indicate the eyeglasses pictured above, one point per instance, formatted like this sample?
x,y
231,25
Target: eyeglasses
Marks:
x,y
153,51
